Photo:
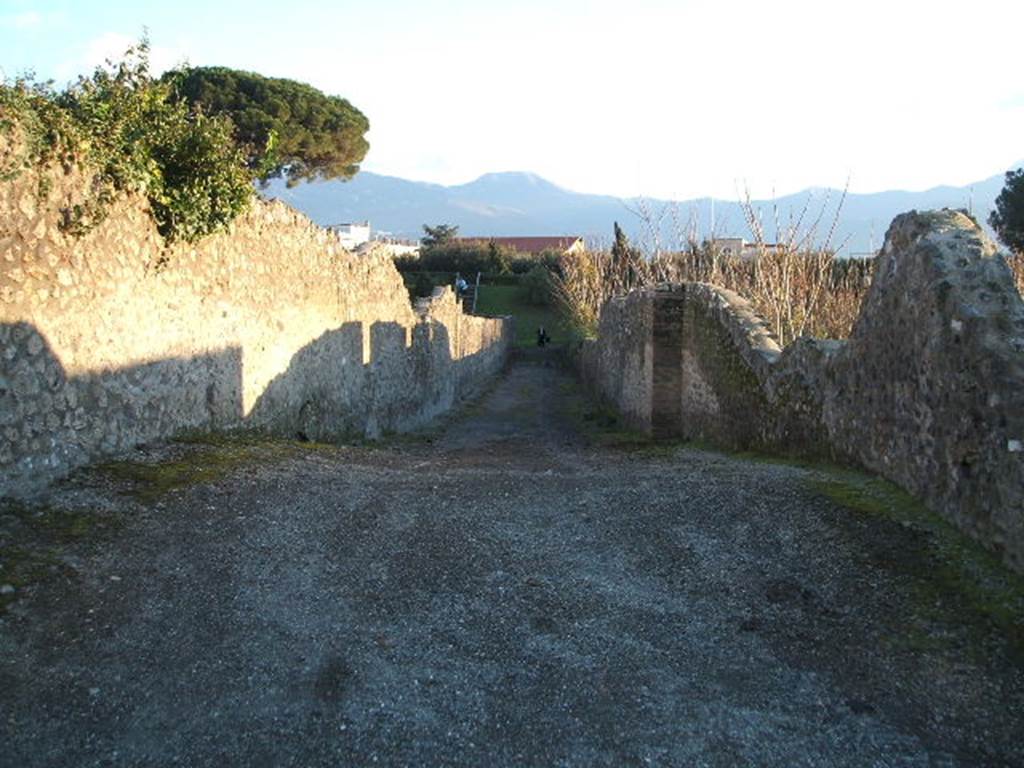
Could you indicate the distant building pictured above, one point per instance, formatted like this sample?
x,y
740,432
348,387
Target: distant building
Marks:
x,y
398,248
351,236
390,247
738,248
534,246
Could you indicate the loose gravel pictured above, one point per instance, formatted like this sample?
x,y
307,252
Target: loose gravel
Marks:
x,y
498,592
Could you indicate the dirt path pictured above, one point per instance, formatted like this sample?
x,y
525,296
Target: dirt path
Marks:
x,y
504,591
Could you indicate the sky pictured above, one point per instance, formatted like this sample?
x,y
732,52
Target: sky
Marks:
x,y
663,98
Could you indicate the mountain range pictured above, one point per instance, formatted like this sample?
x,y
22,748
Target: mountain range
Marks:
x,y
517,203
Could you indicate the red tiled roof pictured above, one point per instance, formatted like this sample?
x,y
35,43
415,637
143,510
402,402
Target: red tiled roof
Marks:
x,y
528,244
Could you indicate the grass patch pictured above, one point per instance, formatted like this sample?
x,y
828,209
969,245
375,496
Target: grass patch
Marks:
x,y
257,440
149,482
953,577
42,533
58,525
955,582
226,439
21,567
776,459
211,457
509,300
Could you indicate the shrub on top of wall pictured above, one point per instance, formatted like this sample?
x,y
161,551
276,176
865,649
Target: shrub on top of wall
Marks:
x,y
122,125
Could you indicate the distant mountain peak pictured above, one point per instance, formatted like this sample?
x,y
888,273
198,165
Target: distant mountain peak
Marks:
x,y
512,179
529,176
520,203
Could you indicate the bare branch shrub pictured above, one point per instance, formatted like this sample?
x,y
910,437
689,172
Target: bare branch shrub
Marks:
x,y
586,280
582,287
794,278
796,283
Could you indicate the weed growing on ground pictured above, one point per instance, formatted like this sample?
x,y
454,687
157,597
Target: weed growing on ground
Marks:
x,y
947,569
949,573
43,532
210,457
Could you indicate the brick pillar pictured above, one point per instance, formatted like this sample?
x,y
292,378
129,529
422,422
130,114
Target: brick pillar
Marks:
x,y
667,343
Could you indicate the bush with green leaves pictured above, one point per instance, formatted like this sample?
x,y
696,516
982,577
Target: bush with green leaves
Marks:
x,y
423,285
121,125
525,262
467,257
537,286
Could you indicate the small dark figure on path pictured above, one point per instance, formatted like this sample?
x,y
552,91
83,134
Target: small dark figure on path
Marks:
x,y
542,337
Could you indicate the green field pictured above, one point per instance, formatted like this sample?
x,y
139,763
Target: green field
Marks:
x,y
507,300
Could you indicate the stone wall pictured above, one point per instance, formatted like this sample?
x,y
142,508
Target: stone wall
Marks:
x,y
928,391
114,339
621,367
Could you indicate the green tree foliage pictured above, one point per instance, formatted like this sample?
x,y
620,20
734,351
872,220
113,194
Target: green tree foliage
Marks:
x,y
422,286
538,286
625,261
622,251
203,183
288,129
467,257
1008,217
499,260
442,251
442,234
121,123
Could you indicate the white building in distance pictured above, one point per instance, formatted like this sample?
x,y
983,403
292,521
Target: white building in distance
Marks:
x,y
351,236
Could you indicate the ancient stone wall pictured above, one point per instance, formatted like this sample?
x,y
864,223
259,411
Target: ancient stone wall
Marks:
x,y
928,391
114,339
620,366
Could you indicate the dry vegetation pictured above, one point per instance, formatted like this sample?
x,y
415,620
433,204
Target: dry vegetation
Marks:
x,y
797,284
797,292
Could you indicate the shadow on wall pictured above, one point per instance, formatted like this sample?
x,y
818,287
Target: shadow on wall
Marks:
x,y
327,393
51,423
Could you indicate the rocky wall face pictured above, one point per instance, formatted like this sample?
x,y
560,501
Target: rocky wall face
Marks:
x,y
116,338
928,391
727,349
618,367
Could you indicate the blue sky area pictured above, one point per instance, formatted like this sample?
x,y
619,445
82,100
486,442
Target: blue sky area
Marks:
x,y
670,99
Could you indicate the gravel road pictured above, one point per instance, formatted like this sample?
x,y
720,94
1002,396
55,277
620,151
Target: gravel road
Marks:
x,y
500,591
